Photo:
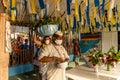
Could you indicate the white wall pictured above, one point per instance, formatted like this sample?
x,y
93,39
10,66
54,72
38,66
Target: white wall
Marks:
x,y
109,39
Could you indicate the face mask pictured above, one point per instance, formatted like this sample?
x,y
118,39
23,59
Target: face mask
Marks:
x,y
47,41
59,42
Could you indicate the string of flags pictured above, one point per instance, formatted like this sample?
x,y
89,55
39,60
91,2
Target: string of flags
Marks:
x,y
81,15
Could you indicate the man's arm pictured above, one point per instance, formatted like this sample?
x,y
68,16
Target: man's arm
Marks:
x,y
38,42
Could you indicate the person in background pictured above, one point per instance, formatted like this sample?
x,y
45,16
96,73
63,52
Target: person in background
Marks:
x,y
42,66
76,51
25,45
17,45
56,57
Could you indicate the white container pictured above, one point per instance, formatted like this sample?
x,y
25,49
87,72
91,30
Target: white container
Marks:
x,y
47,30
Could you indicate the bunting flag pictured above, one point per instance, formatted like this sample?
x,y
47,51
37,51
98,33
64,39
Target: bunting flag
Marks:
x,y
22,8
58,5
117,24
76,9
97,24
109,26
63,26
79,10
67,24
80,18
103,4
74,22
29,6
68,6
95,12
47,8
59,27
42,5
25,3
32,3
112,2
97,3
13,9
86,2
13,13
87,14
13,3
45,13
73,1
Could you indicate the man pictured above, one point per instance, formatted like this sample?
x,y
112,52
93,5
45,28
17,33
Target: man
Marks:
x,y
41,44
56,56
76,51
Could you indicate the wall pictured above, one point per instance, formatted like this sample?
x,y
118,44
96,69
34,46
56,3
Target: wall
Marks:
x,y
4,56
109,39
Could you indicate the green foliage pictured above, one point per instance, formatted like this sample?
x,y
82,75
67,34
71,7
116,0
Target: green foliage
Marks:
x,y
95,56
47,20
112,56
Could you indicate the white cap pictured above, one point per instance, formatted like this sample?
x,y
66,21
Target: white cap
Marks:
x,y
59,33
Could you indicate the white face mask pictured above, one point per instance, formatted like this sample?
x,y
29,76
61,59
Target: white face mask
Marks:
x,y
59,42
47,41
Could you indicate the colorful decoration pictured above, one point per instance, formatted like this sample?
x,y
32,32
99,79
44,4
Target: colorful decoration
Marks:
x,y
32,3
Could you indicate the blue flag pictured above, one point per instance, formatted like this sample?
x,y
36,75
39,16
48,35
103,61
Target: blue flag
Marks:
x,y
109,26
80,13
97,3
87,14
74,23
97,24
68,6
25,3
103,3
42,5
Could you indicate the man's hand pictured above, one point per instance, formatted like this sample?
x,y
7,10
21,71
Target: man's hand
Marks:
x,y
59,60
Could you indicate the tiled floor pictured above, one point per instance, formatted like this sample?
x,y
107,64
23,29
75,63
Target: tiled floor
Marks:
x,y
34,74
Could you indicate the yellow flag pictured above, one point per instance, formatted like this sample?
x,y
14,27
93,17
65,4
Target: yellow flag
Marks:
x,y
57,0
12,15
13,3
32,3
113,21
95,12
110,6
119,14
76,9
